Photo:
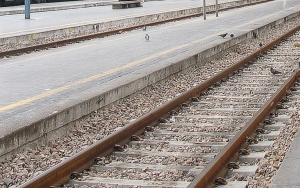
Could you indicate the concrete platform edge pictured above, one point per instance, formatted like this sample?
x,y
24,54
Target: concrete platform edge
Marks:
x,y
41,129
21,9
287,175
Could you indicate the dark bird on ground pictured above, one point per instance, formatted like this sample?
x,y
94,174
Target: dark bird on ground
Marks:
x,y
260,44
231,35
223,35
76,175
147,37
273,71
220,181
233,165
254,35
144,28
244,152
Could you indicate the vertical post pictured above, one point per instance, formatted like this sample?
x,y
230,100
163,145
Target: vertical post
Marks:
x,y
217,8
27,9
204,10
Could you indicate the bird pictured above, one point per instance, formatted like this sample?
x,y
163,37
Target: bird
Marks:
x,y
260,44
233,165
273,71
244,151
147,37
254,35
144,28
231,35
220,181
223,35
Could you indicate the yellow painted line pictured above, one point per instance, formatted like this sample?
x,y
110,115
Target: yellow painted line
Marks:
x,y
37,97
91,78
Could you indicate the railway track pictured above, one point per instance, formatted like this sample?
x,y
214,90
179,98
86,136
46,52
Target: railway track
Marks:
x,y
183,143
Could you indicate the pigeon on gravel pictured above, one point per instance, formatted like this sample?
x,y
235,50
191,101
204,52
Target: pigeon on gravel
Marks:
x,y
223,35
231,35
273,71
260,44
147,37
254,35
144,28
220,181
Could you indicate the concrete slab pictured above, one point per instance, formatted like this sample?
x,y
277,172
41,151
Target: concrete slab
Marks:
x,y
243,170
43,7
149,167
288,173
94,181
234,184
261,145
253,156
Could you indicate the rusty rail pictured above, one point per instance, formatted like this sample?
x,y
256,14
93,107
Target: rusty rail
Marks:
x,y
219,163
60,173
218,166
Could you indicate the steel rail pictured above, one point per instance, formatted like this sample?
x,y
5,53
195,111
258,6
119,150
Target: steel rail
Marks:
x,y
61,172
218,166
103,34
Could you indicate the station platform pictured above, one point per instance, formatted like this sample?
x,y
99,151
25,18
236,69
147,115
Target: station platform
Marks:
x,y
41,91
16,25
43,7
288,172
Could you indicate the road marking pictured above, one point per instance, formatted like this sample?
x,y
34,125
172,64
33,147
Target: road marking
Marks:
x,y
91,78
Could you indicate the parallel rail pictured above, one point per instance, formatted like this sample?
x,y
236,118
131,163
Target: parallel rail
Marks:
x,y
61,172
218,166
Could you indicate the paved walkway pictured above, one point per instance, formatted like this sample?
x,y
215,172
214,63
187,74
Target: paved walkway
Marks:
x,y
42,7
14,25
288,173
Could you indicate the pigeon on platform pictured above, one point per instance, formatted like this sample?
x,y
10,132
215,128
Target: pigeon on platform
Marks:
x,y
231,35
147,37
260,44
144,28
223,35
273,71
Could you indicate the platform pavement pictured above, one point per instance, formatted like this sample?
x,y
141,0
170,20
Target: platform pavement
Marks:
x,y
42,7
287,175
15,25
